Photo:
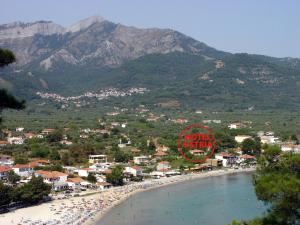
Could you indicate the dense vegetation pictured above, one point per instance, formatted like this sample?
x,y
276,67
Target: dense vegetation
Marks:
x,y
277,183
239,81
30,193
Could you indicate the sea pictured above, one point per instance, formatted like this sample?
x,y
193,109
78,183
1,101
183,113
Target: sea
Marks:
x,y
206,201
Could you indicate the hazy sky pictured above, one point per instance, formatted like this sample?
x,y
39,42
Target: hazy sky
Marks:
x,y
270,27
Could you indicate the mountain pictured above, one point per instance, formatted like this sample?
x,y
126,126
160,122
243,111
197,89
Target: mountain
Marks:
x,y
95,53
93,41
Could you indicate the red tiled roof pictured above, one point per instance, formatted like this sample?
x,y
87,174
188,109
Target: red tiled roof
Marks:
x,y
87,169
104,184
50,174
164,162
41,161
21,166
108,171
197,151
75,180
224,154
5,168
136,167
160,154
245,156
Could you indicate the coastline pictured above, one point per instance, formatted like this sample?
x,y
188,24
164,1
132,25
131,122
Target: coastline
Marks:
x,y
88,209
188,177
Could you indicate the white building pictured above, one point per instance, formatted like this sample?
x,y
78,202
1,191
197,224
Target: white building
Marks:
x,y
236,126
4,171
269,139
163,166
227,159
74,183
97,159
241,138
104,185
19,129
100,167
84,172
58,180
141,159
15,140
134,170
6,160
23,170
287,147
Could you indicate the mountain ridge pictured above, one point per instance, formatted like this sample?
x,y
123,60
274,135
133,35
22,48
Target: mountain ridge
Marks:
x,y
173,66
93,40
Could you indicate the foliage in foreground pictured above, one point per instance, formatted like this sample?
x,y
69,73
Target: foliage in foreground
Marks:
x,y
277,183
30,193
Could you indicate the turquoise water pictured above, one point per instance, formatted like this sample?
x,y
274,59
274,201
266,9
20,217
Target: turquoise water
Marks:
x,y
208,201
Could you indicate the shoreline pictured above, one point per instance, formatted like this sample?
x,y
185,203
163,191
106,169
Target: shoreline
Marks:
x,y
92,207
188,177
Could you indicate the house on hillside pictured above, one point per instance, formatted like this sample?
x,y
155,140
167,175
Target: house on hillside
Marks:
x,y
103,185
74,183
6,160
97,159
227,159
163,166
58,180
160,155
19,129
15,140
246,157
214,162
4,171
3,143
197,152
84,172
99,167
236,126
134,170
141,159
241,138
23,170
47,131
40,162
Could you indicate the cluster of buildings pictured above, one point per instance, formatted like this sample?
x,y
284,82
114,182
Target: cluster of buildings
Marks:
x,y
80,100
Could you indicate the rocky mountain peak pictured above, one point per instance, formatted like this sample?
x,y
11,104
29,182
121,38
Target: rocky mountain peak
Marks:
x,y
85,23
23,30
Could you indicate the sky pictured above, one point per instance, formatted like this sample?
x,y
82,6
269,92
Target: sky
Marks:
x,y
268,27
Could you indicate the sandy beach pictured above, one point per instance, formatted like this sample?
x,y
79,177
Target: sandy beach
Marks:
x,y
88,209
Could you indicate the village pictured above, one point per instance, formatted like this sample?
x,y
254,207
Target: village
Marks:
x,y
93,174
82,100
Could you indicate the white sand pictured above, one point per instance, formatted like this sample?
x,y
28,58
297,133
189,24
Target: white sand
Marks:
x,y
88,209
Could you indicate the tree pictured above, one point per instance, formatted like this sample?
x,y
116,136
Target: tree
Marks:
x,y
116,176
121,156
277,183
6,57
21,159
295,139
251,147
55,136
33,191
115,131
54,155
5,194
66,159
91,178
6,99
12,177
